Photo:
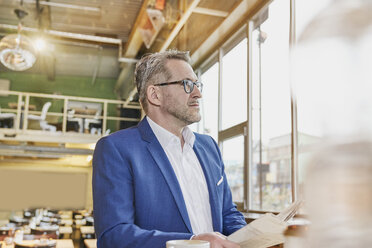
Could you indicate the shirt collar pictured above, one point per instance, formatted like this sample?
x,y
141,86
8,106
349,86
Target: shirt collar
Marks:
x,y
165,137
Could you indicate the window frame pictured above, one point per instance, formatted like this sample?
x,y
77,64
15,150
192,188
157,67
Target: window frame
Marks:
x,y
245,128
240,128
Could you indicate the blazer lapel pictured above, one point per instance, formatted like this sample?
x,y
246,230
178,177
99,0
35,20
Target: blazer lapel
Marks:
x,y
213,197
166,168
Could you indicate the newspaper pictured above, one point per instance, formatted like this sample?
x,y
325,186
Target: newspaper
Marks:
x,y
266,231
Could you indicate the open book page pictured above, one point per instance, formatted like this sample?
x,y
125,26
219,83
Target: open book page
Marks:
x,y
263,241
265,231
290,211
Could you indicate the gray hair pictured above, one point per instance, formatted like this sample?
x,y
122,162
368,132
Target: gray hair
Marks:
x,y
151,68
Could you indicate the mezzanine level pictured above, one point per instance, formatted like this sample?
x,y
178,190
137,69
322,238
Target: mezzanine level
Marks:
x,y
35,117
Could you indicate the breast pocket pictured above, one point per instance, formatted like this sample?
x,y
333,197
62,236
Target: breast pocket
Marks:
x,y
220,181
219,187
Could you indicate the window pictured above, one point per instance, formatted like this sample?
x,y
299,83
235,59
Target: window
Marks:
x,y
258,152
233,112
233,157
234,86
210,102
271,112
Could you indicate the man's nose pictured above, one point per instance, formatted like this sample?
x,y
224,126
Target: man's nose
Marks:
x,y
196,92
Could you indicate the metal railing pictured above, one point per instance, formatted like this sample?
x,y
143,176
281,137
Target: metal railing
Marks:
x,y
22,110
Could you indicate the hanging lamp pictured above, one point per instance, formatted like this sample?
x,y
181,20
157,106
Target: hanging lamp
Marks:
x,y
17,52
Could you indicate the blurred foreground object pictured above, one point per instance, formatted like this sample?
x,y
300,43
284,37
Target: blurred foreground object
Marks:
x,y
331,70
338,196
295,235
332,82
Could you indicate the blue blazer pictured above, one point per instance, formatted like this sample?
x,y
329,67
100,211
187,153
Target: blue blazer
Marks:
x,y
137,200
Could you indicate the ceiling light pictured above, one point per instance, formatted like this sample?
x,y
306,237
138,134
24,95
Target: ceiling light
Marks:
x,y
16,51
40,44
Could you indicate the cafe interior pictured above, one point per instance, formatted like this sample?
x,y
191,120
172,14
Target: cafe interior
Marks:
x,y
286,97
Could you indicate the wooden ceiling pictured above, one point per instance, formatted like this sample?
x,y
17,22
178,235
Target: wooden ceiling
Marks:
x,y
105,33
113,18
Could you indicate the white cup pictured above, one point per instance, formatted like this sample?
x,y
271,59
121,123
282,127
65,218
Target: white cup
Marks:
x,y
187,244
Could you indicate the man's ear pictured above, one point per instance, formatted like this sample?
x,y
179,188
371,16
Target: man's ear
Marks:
x,y
153,95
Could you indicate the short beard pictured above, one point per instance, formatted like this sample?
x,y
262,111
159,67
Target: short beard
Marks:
x,y
184,114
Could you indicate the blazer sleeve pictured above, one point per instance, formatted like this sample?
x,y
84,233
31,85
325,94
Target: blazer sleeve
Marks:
x,y
232,219
113,203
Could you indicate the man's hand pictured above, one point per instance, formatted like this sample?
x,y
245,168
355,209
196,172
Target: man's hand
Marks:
x,y
217,240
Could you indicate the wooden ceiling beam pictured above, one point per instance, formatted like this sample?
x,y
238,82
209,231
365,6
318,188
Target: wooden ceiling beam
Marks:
x,y
179,25
241,13
131,50
135,41
67,35
211,12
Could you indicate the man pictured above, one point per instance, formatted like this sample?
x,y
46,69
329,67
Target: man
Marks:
x,y
159,181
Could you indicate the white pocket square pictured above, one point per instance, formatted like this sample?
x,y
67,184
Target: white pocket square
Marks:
x,y
220,181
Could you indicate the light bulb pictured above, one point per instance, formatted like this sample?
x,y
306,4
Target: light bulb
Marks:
x,y
40,44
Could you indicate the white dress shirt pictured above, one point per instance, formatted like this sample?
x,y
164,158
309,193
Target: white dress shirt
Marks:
x,y
190,176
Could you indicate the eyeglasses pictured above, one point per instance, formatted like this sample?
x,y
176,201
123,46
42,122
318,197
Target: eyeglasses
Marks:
x,y
188,85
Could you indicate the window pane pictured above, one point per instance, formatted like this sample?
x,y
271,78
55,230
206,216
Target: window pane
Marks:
x,y
234,86
270,188
209,102
233,157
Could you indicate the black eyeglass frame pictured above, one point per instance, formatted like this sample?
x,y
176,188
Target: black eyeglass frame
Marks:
x,y
198,84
